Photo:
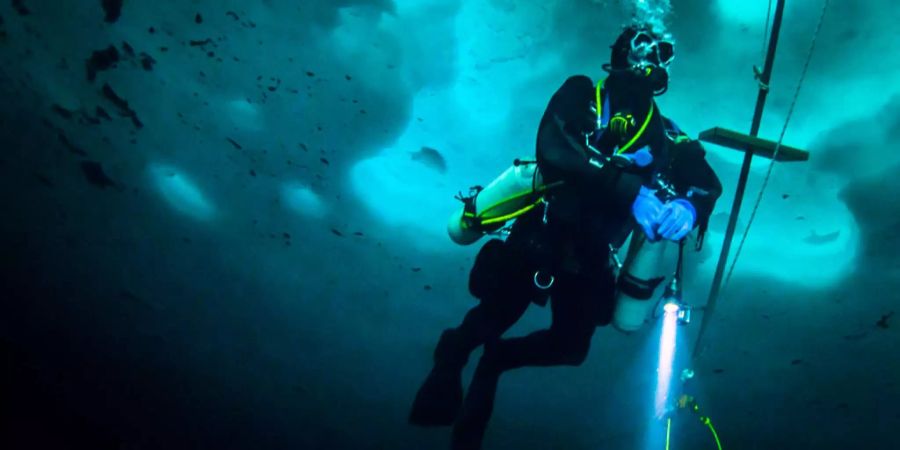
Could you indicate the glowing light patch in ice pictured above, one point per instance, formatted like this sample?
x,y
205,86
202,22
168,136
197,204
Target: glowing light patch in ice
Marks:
x,y
403,192
244,115
301,199
180,192
789,250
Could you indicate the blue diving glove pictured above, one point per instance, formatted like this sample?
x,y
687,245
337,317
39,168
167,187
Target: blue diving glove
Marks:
x,y
676,220
641,158
646,209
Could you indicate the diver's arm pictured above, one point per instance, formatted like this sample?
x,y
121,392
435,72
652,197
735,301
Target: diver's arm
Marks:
x,y
561,154
704,197
562,157
696,181
561,150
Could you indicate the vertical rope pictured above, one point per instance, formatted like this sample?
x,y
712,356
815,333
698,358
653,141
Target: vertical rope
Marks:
x,y
787,121
766,33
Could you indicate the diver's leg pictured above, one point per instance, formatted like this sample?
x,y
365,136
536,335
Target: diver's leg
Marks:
x,y
439,398
576,309
501,305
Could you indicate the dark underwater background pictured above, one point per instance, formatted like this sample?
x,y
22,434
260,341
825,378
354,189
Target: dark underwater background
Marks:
x,y
223,222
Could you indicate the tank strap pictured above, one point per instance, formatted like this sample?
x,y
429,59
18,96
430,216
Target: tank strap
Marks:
x,y
638,288
514,214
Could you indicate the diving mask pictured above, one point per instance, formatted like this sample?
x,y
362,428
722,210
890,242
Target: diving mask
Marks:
x,y
649,52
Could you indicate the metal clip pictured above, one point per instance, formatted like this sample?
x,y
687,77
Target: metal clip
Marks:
x,y
667,188
757,74
540,286
614,257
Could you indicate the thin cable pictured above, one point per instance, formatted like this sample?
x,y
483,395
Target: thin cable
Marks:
x,y
766,33
787,121
713,431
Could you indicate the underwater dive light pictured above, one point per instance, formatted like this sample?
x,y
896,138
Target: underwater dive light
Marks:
x,y
675,312
673,304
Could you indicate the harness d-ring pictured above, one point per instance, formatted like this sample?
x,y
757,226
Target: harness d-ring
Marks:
x,y
540,286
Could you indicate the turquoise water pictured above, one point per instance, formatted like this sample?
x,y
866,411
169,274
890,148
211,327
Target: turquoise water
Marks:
x,y
262,259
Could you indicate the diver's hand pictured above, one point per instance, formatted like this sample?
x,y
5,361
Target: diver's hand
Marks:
x,y
646,209
640,158
676,219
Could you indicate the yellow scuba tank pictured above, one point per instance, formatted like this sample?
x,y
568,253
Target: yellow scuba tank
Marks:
x,y
516,191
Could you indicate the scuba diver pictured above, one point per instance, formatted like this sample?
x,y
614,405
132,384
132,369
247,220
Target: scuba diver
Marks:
x,y
608,165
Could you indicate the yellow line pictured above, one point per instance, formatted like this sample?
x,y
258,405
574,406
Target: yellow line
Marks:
x,y
668,431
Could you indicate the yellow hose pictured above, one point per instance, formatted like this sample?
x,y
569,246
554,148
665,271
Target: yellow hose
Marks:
x,y
668,432
712,429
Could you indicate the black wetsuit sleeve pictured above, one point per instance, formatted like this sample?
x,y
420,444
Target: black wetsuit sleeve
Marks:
x,y
562,154
696,180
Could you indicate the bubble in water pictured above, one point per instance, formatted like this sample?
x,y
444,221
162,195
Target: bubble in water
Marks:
x,y
651,12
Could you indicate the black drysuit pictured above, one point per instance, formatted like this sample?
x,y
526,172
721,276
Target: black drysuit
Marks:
x,y
568,239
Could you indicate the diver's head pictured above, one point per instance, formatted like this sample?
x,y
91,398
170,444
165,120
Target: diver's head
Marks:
x,y
643,56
